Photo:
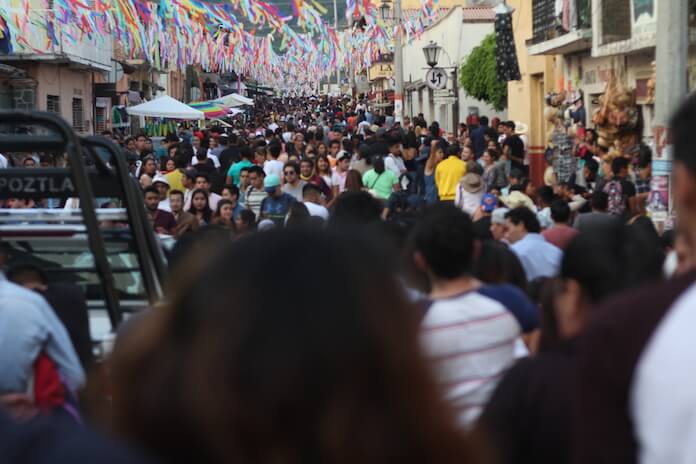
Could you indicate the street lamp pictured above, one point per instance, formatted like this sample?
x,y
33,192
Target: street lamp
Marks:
x,y
385,10
432,52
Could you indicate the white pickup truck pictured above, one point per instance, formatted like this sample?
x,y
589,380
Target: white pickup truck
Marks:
x,y
112,254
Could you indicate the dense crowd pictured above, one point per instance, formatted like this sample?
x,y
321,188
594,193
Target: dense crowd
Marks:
x,y
348,288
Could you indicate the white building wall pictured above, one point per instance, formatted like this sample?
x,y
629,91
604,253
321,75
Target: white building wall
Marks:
x,y
457,39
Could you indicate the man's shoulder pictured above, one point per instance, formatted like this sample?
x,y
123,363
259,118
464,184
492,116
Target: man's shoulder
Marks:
x,y
13,293
639,309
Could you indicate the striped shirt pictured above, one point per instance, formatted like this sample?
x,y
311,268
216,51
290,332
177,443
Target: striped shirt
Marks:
x,y
254,198
471,339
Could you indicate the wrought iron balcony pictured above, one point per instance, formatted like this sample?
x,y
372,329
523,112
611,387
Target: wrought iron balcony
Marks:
x,y
548,24
564,31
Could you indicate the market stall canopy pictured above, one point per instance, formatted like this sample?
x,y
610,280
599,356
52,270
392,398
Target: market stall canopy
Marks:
x,y
235,111
165,107
234,99
211,109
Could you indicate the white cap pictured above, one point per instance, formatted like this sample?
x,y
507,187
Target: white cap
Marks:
x,y
498,215
160,178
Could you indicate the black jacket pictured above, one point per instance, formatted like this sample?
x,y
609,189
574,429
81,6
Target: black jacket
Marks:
x,y
529,417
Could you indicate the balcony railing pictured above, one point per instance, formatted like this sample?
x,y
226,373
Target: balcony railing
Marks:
x,y
548,24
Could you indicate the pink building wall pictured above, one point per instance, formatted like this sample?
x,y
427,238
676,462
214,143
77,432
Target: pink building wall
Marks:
x,y
66,83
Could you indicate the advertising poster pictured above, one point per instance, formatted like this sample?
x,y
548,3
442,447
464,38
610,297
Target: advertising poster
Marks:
x,y
658,201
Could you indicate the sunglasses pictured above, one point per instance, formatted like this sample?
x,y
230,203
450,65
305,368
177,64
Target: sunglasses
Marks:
x,y
289,173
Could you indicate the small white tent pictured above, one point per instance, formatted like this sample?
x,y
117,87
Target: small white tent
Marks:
x,y
165,107
234,99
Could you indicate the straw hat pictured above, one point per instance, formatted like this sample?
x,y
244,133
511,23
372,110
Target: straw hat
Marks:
x,y
472,183
517,199
521,128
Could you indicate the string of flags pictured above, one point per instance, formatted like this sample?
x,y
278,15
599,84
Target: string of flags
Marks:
x,y
250,37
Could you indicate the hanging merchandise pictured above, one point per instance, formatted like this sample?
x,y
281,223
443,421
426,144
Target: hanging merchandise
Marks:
x,y
160,127
507,67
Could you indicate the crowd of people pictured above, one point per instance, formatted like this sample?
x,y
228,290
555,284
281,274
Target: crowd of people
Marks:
x,y
349,288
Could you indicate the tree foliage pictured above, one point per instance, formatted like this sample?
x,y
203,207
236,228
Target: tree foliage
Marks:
x,y
477,76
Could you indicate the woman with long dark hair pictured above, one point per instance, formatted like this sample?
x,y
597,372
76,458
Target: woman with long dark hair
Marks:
x,y
437,154
200,207
324,169
246,222
148,171
353,181
224,215
322,149
258,374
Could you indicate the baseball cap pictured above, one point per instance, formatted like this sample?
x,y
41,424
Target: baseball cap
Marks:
x,y
271,182
488,203
342,154
498,216
160,178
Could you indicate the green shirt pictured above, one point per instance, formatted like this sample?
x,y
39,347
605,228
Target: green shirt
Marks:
x,y
382,184
234,170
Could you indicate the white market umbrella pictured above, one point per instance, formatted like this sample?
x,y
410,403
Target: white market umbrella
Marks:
x,y
165,107
234,99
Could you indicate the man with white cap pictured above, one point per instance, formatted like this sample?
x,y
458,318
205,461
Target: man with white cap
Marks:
x,y
162,184
499,224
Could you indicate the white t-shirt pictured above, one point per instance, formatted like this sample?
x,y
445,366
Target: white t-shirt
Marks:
x,y
273,166
317,210
662,397
338,179
3,161
164,205
395,165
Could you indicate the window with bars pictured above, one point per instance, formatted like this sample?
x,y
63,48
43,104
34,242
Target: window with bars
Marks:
x,y
78,115
616,20
53,104
100,119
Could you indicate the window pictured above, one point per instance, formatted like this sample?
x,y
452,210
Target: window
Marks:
x,y
53,104
100,118
616,20
78,115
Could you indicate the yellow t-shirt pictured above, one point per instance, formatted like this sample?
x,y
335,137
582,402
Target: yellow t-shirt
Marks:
x,y
175,179
447,176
